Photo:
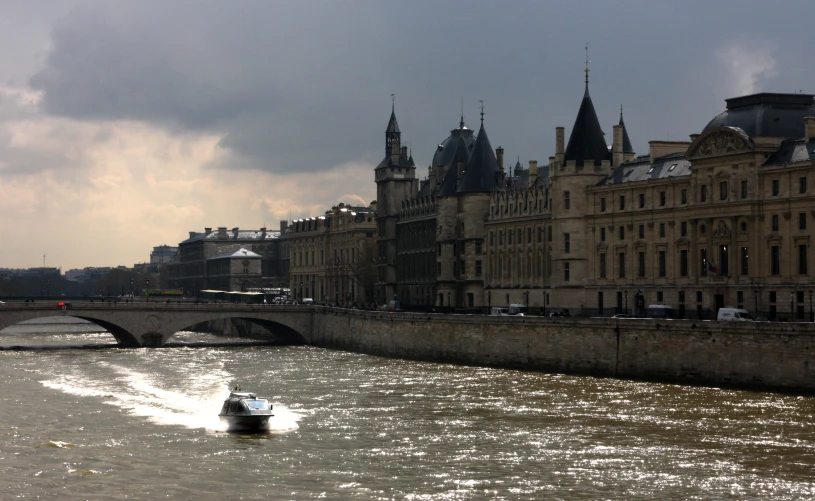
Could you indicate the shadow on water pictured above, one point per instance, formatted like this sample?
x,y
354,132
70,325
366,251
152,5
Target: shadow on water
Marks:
x,y
198,344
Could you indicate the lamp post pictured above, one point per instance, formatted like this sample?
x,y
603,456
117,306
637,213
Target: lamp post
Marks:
x,y
681,302
489,299
147,289
526,299
47,288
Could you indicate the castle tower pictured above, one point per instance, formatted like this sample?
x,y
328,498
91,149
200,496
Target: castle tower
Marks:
x,y
396,182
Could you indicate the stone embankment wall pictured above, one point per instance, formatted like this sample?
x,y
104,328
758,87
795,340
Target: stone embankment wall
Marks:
x,y
772,356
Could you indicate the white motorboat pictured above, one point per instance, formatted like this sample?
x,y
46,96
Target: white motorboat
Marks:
x,y
244,411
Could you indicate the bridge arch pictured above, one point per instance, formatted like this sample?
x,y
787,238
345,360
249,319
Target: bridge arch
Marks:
x,y
277,330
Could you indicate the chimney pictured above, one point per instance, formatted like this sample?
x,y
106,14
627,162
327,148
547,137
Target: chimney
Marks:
x,y
617,146
235,232
284,225
559,147
810,128
192,234
662,148
403,152
222,232
533,172
263,232
499,156
207,231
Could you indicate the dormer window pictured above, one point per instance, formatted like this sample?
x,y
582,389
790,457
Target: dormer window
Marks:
x,y
651,169
672,167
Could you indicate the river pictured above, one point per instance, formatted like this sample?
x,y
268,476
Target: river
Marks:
x,y
98,422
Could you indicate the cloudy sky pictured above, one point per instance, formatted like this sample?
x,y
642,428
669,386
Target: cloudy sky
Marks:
x,y
126,124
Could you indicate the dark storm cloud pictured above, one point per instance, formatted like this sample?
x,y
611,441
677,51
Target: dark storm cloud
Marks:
x,y
303,86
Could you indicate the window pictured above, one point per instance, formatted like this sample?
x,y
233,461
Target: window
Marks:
x,y
739,299
802,220
683,263
661,230
500,238
703,262
567,244
774,222
641,264
723,260
602,204
662,199
744,189
672,167
463,267
660,297
642,231
621,264
776,187
540,234
698,296
470,300
723,190
802,185
509,236
549,233
602,260
529,235
602,234
683,229
662,270
566,200
246,267
438,269
684,195
621,232
802,259
478,268
744,226
565,272
703,193
478,247
642,200
622,202
775,260
745,268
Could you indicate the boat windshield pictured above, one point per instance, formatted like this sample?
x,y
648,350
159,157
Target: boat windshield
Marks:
x,y
259,404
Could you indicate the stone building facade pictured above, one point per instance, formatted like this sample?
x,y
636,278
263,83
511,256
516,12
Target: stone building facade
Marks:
x,y
333,256
725,219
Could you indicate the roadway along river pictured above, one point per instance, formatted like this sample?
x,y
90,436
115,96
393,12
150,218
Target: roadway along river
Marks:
x,y
142,424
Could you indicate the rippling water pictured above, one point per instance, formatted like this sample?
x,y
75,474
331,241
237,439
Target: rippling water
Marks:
x,y
142,424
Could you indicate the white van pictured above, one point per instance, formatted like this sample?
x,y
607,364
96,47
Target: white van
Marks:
x,y
734,315
502,312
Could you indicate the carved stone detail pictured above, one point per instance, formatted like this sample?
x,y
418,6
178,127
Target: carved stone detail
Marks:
x,y
720,143
787,216
651,225
721,230
671,223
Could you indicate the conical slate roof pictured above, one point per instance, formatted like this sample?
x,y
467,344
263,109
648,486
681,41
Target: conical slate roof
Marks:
x,y
481,174
392,125
587,144
627,148
461,155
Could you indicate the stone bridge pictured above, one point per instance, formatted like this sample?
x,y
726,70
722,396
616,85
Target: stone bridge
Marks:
x,y
152,324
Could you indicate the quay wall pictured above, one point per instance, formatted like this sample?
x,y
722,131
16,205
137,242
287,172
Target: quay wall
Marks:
x,y
766,356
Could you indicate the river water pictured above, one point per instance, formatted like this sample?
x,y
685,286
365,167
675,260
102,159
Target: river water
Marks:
x,y
109,423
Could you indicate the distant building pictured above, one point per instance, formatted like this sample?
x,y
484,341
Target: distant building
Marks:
x,y
40,272
163,254
200,261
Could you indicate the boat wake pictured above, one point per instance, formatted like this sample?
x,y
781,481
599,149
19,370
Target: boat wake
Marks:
x,y
141,394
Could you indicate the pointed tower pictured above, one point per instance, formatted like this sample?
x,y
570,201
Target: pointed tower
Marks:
x,y
395,182
621,150
587,144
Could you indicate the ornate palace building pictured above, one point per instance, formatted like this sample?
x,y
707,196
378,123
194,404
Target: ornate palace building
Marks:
x,y
725,219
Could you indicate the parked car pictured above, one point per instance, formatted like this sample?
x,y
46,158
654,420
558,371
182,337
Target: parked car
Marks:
x,y
733,315
621,315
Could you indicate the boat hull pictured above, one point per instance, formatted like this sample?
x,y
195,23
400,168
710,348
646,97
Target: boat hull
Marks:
x,y
252,423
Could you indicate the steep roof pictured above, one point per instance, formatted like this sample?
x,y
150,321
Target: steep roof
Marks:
x,y
587,142
392,125
791,151
641,169
627,148
240,253
461,154
481,174
447,148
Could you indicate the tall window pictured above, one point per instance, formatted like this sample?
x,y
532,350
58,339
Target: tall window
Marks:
x,y
745,268
684,197
602,260
724,260
621,264
622,202
703,193
478,247
683,263
775,260
603,234
642,200
478,268
802,220
744,189
540,234
703,262
567,244
566,272
723,190
802,259
566,200
662,199
621,231
641,264
774,222
683,229
548,233
776,187
642,231
603,204
662,270
802,185
661,230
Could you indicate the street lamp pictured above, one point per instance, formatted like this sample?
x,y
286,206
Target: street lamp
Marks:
x,y
147,289
526,299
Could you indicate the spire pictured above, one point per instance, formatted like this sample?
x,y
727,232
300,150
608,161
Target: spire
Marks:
x,y
482,114
586,143
392,133
627,148
461,123
482,172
